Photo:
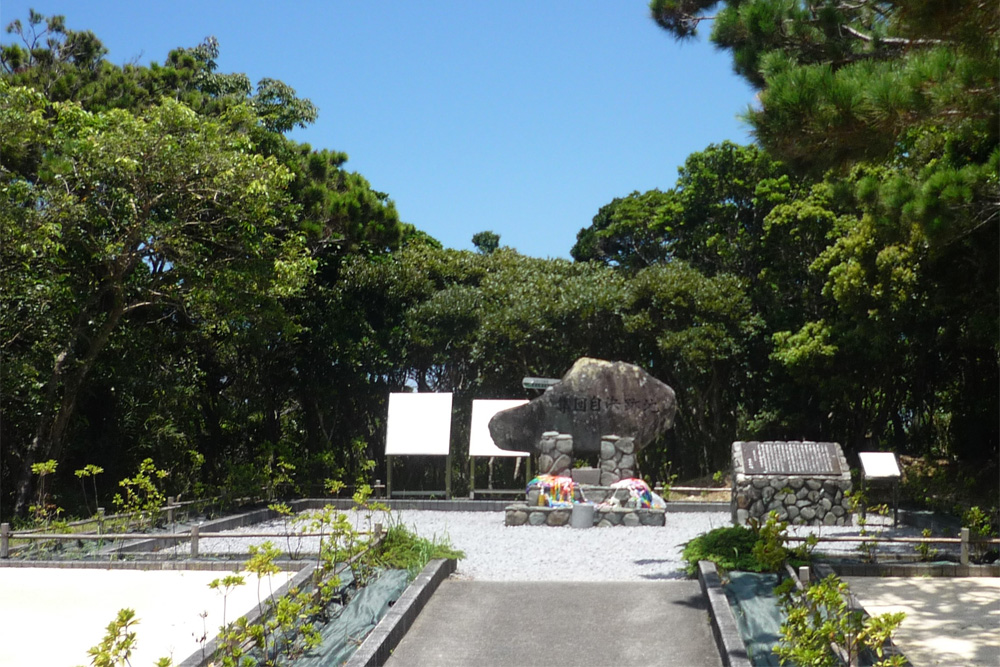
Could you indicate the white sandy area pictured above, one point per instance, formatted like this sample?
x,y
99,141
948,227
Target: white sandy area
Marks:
x,y
52,616
952,622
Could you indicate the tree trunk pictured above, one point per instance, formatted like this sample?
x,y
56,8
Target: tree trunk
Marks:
x,y
68,377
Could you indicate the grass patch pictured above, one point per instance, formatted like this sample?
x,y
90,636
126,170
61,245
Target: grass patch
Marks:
x,y
402,549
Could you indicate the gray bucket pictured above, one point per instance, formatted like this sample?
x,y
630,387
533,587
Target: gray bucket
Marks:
x,y
582,516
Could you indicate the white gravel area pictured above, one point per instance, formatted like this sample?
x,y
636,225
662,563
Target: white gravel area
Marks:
x,y
495,552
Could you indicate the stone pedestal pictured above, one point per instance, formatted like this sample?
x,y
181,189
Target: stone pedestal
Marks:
x,y
555,454
617,457
522,514
804,482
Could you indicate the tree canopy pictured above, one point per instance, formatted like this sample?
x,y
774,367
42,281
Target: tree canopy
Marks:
x,y
181,281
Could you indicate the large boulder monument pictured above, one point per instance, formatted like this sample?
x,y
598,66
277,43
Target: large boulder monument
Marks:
x,y
610,408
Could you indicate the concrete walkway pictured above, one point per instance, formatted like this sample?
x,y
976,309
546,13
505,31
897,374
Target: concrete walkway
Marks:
x,y
949,621
502,624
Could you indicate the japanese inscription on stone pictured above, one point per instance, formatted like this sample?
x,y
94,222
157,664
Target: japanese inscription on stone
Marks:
x,y
791,458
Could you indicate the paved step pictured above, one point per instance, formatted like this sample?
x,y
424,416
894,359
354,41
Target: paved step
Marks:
x,y
501,624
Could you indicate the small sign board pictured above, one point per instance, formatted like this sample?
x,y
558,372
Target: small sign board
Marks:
x,y
419,424
791,458
539,383
879,465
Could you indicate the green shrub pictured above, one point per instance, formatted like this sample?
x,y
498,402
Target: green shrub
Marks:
x,y
757,548
729,547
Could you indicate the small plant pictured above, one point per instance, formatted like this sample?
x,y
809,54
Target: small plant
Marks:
x,y
769,550
284,629
924,548
980,528
285,512
44,510
278,479
719,477
230,649
91,471
143,498
822,628
119,642
858,506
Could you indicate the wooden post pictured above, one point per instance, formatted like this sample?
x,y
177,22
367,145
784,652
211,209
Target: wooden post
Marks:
x,y
527,469
965,547
194,541
170,510
100,520
4,540
388,477
447,477
472,478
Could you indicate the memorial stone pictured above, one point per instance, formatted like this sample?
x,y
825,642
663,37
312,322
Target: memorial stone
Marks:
x,y
804,482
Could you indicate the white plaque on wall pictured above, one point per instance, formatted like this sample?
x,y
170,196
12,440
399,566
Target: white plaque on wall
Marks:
x,y
480,442
419,424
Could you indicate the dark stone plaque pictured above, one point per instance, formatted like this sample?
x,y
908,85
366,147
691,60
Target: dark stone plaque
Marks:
x,y
791,458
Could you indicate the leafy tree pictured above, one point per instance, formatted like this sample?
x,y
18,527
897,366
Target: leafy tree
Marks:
x,y
899,99
846,81
163,213
486,242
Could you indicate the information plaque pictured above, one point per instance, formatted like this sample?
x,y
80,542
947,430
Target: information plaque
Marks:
x,y
791,458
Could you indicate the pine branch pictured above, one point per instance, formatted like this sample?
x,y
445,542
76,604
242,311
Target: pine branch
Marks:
x,y
899,41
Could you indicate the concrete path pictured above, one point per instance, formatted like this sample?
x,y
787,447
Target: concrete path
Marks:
x,y
51,616
502,624
949,621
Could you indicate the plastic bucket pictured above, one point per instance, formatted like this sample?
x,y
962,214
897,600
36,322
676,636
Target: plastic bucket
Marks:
x,y
582,516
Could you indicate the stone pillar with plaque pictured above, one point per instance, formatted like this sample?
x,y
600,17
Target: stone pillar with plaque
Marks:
x,y
804,482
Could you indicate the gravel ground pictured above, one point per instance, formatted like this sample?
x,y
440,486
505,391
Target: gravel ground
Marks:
x,y
495,552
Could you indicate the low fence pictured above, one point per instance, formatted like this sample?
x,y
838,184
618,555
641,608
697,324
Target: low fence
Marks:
x,y
965,541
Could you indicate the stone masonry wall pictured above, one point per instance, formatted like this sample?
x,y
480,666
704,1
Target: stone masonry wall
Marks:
x,y
522,514
617,457
798,499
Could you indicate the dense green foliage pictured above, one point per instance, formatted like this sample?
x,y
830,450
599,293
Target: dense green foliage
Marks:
x,y
181,282
822,616
729,547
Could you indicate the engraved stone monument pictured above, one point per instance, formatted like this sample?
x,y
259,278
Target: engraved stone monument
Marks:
x,y
601,409
804,482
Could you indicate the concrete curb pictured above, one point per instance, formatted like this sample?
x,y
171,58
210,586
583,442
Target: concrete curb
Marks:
x,y
727,636
913,569
380,643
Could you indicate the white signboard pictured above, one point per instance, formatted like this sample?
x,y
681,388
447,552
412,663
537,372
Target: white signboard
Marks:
x,y
879,464
419,424
480,442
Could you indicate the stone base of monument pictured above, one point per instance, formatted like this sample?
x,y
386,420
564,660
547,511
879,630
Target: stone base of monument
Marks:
x,y
804,482
586,493
617,458
523,514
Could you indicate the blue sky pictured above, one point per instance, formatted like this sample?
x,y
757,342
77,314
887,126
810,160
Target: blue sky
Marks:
x,y
522,117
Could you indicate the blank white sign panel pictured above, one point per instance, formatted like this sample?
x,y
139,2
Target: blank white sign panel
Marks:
x,y
419,424
480,442
879,464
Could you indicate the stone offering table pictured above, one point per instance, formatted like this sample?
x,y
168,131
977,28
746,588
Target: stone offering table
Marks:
x,y
804,482
612,507
522,514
